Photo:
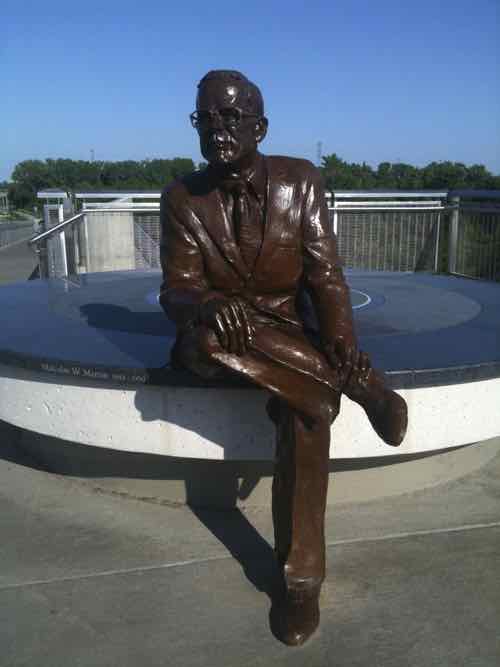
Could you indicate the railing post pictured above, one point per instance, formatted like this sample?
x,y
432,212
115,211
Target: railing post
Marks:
x,y
62,242
454,204
330,202
438,239
46,217
43,260
332,206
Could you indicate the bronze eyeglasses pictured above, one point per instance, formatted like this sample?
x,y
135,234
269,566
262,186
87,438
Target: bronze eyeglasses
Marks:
x,y
229,117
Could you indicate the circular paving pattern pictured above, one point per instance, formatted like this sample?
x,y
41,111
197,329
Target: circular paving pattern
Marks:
x,y
419,328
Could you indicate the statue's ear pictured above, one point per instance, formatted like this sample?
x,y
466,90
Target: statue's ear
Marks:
x,y
261,128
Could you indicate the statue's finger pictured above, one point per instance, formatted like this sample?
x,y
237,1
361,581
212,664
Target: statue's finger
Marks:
x,y
238,327
230,329
346,355
333,359
364,362
221,332
342,352
249,333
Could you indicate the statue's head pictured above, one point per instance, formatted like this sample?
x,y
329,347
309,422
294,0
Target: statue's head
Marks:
x,y
229,118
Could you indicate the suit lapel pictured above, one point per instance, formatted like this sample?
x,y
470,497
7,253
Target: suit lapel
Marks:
x,y
276,205
220,228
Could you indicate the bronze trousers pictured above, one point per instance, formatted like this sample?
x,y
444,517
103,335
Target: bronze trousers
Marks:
x,y
300,487
306,401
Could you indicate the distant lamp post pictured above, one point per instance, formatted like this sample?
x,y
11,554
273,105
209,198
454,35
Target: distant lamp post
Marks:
x,y
319,153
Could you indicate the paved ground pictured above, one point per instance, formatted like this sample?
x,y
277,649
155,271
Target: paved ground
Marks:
x,y
88,579
94,579
17,262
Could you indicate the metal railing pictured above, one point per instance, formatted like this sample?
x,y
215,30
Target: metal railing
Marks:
x,y
100,239
147,243
456,232
474,235
389,231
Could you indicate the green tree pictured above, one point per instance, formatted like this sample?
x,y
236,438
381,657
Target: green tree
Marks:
x,y
341,175
30,176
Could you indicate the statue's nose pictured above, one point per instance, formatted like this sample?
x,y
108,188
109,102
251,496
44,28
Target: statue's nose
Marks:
x,y
218,136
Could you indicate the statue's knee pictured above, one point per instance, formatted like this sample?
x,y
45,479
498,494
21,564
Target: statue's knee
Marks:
x,y
195,351
328,411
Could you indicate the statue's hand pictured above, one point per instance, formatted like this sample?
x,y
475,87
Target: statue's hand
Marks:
x,y
229,320
344,355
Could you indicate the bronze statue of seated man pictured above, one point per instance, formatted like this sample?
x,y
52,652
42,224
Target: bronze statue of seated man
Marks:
x,y
241,240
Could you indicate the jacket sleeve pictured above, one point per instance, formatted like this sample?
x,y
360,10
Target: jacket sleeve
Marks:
x,y
184,284
323,276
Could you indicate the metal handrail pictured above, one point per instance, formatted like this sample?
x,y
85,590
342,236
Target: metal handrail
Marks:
x,y
53,230
391,206
382,194
62,225
384,209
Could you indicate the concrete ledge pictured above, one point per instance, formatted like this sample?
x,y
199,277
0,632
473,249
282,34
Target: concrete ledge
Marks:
x,y
226,484
228,424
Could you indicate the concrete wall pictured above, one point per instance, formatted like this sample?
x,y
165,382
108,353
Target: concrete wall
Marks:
x,y
109,242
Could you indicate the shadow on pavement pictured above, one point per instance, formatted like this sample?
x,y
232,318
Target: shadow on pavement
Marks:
x,y
229,525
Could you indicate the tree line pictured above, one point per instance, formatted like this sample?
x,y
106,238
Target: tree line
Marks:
x,y
30,176
341,175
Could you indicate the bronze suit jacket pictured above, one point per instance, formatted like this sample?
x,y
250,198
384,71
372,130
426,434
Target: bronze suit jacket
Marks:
x,y
201,259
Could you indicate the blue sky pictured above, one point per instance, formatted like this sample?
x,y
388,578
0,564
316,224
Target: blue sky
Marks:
x,y
373,81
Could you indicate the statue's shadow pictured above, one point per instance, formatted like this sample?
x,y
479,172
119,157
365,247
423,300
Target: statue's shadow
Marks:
x,y
212,489
224,484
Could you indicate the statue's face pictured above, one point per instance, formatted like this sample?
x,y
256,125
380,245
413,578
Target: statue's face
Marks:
x,y
229,130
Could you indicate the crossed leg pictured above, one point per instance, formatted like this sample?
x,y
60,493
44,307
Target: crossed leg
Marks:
x,y
281,361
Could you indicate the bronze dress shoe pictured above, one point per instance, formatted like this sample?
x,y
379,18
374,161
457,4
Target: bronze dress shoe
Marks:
x,y
386,410
297,615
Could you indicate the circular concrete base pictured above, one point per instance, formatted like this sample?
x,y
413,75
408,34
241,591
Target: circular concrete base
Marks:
x,y
98,370
226,484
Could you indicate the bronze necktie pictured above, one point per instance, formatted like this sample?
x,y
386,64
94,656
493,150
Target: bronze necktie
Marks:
x,y
247,223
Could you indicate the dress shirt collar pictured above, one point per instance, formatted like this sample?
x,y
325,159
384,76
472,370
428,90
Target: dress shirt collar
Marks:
x,y
255,178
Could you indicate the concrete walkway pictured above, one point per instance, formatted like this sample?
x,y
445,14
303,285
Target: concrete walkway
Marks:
x,y
92,579
17,262
95,579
